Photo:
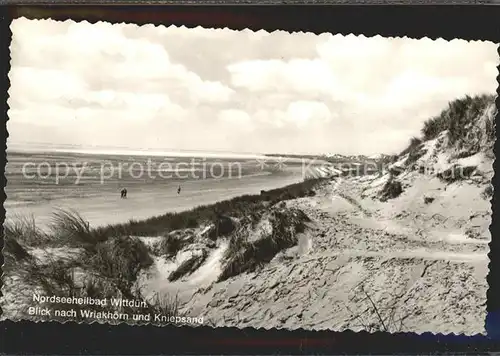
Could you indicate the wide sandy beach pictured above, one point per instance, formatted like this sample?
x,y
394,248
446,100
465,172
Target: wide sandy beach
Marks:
x,y
97,198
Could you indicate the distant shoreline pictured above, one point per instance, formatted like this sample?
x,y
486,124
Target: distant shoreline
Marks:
x,y
167,153
206,154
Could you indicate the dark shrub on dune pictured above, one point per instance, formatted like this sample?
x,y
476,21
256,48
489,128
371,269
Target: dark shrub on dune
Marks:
x,y
456,173
246,254
13,252
414,150
428,200
396,171
223,226
121,259
487,193
392,189
175,241
188,266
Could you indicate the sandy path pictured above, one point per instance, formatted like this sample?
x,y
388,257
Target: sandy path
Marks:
x,y
419,282
357,228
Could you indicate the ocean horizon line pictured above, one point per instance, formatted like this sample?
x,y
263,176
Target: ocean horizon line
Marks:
x,y
122,151
137,152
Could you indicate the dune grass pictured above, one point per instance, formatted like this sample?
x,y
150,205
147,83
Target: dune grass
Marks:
x,y
121,259
457,118
61,279
23,230
70,227
171,244
13,253
415,142
246,255
115,263
105,268
376,317
460,120
164,305
392,189
468,130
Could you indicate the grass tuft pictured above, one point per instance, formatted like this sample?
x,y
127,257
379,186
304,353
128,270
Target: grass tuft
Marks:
x,y
72,227
24,230
375,318
14,252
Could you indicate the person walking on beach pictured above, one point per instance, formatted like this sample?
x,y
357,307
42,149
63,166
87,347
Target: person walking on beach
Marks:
x,y
179,190
124,193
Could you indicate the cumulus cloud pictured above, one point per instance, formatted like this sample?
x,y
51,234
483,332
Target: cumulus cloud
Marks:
x,y
99,57
239,118
218,89
300,114
301,76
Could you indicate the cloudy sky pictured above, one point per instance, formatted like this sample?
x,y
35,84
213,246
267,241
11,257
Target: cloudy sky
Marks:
x,y
240,91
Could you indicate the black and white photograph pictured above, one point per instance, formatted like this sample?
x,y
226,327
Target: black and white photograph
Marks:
x,y
237,178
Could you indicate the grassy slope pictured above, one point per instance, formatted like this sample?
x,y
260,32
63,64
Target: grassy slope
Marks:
x,y
468,130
